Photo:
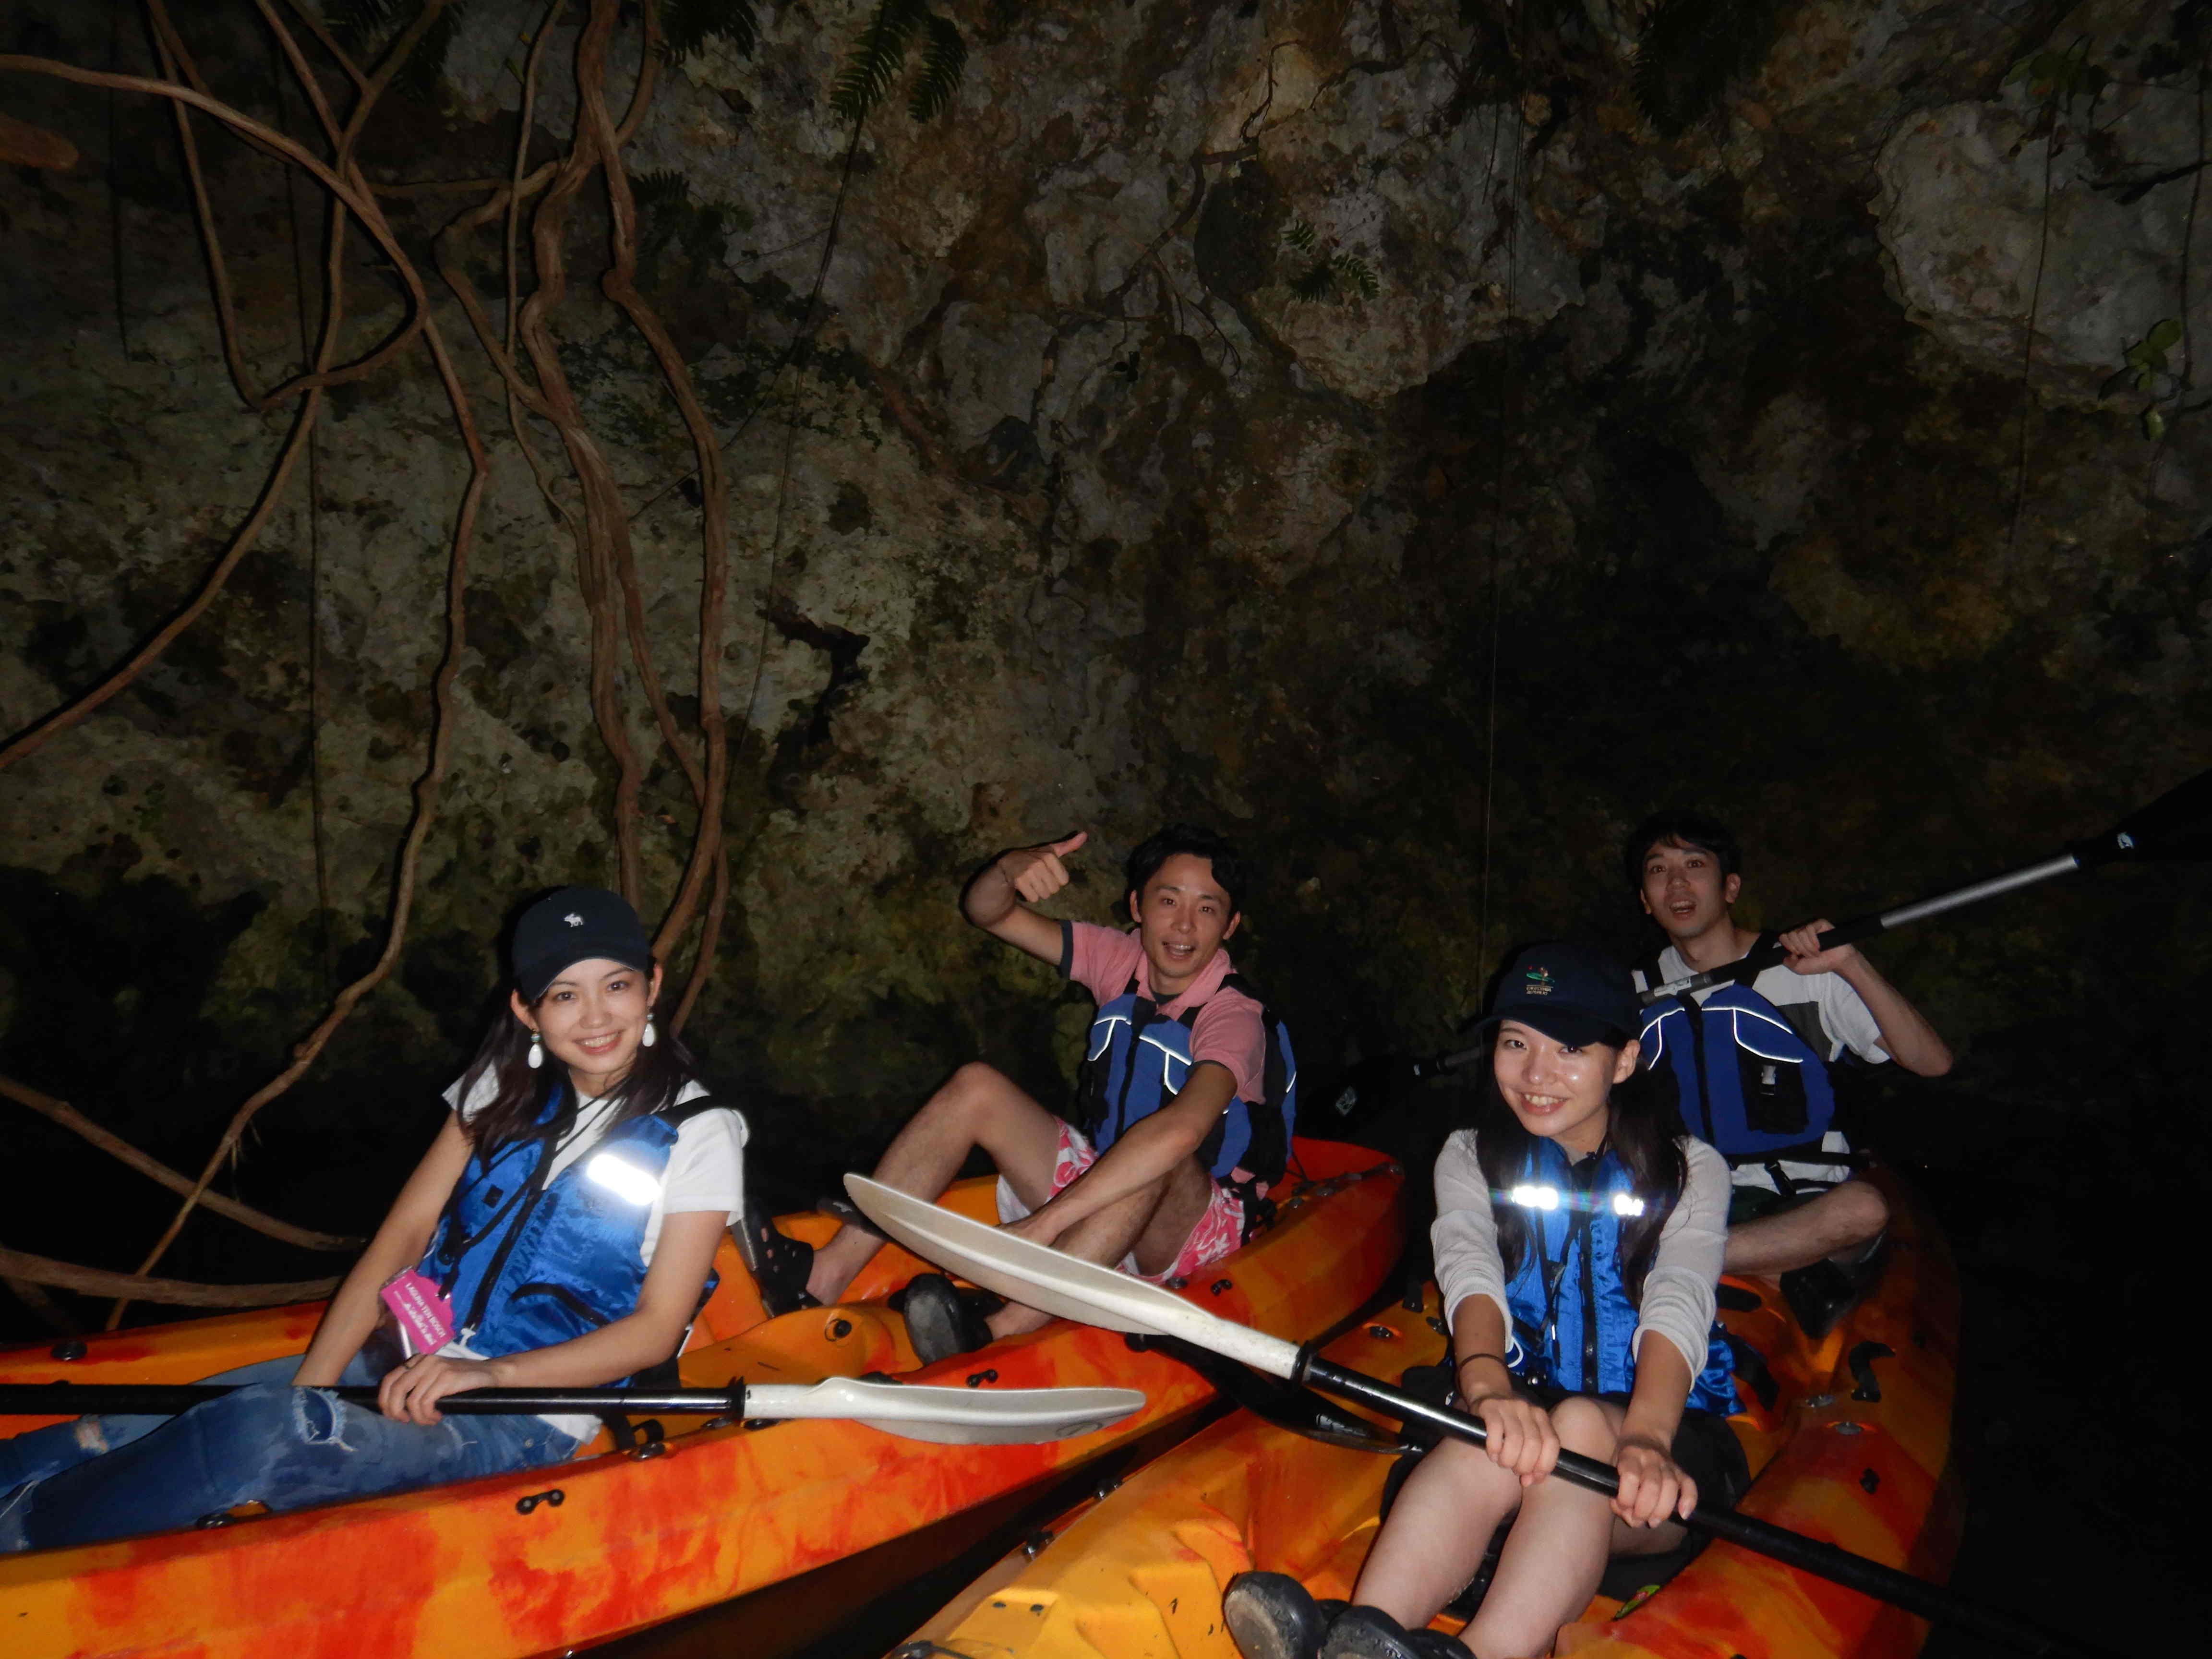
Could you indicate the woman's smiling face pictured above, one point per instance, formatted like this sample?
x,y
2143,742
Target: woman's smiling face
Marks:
x,y
1558,1090
593,1019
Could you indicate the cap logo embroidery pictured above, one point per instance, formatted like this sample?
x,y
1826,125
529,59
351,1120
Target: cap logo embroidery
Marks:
x,y
572,920
1540,983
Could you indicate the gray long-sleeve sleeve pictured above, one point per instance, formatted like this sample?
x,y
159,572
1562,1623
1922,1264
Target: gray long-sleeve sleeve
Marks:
x,y
1678,1292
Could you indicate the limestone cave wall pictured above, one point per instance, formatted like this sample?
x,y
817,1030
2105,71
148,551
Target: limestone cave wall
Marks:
x,y
1353,423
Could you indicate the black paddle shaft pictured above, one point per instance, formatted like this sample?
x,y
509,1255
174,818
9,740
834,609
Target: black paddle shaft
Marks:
x,y
1916,1596
167,1399
2176,826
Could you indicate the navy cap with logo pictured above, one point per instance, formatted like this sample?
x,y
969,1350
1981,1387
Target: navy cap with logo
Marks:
x,y
1572,992
571,925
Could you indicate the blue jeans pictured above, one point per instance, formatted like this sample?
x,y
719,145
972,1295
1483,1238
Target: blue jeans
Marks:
x,y
266,1442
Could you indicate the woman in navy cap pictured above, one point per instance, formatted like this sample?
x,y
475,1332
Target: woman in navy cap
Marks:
x,y
1578,1239
559,1233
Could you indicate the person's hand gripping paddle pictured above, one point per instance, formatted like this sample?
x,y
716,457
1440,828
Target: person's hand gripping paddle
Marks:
x,y
1091,1295
2177,826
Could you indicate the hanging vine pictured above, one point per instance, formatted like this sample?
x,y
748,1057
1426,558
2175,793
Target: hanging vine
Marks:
x,y
376,47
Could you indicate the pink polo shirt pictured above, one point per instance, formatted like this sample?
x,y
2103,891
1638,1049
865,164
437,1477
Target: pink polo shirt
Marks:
x,y
1227,1030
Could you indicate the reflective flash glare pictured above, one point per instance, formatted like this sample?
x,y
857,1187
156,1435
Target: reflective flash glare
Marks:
x,y
1627,1204
1537,1198
623,1179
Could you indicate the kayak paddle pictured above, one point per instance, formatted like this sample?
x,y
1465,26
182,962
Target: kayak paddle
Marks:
x,y
956,1417
1056,1283
2176,825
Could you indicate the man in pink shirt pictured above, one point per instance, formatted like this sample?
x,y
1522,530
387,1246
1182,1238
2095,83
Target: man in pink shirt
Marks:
x,y
1186,1092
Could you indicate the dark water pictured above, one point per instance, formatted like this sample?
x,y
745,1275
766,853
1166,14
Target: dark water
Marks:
x,y
2079,1469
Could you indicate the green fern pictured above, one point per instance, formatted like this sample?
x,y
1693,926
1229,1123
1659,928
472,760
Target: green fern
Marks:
x,y
1317,282
365,28
944,59
1353,275
657,192
2060,76
686,26
1689,49
1325,273
873,66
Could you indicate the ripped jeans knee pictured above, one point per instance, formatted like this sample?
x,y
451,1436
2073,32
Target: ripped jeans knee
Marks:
x,y
266,1442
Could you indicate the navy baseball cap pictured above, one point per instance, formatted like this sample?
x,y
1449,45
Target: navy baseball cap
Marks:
x,y
1570,993
571,925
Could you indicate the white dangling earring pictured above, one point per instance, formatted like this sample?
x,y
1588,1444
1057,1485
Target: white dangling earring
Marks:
x,y
536,1050
651,1035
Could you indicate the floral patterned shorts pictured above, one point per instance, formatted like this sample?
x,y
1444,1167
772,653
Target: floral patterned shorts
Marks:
x,y
1219,1232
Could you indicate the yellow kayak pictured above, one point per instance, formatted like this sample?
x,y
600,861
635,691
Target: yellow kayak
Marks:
x,y
1139,1574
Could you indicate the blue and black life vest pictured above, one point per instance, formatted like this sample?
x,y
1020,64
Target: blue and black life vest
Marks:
x,y
528,1262
1137,1061
1574,1326
1744,1079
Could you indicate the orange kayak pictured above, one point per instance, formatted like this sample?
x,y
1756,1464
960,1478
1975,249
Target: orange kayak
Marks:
x,y
1140,1572
629,1541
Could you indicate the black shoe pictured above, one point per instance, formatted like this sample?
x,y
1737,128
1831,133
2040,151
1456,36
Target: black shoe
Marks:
x,y
939,1320
1818,1296
1270,1616
779,1263
1370,1633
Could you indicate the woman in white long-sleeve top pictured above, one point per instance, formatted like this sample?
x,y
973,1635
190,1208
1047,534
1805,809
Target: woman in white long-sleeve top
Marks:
x,y
1578,1239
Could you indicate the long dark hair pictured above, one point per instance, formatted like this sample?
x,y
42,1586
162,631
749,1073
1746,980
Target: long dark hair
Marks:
x,y
1643,1132
656,1076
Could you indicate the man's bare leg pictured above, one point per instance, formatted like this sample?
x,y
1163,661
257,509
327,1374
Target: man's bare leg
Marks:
x,y
1845,1217
977,1106
1153,1221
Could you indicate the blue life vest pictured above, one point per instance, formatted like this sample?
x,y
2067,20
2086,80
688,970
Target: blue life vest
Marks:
x,y
1137,1061
528,1262
1573,1324
1743,1077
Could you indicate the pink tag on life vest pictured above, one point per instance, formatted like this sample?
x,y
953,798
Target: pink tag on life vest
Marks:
x,y
424,1315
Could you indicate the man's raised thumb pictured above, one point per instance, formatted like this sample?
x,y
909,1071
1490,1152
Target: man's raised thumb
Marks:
x,y
1072,842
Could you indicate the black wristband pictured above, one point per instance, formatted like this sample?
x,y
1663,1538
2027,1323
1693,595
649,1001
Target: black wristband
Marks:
x,y
1459,1364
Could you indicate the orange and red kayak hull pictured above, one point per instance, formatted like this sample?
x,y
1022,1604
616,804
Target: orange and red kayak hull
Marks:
x,y
473,1568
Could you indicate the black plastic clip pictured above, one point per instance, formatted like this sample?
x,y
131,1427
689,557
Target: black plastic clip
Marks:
x,y
552,1499
651,1440
1861,1361
977,1379
1219,1286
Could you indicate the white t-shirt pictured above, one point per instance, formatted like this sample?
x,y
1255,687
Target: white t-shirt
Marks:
x,y
1824,1009
706,1170
1679,1297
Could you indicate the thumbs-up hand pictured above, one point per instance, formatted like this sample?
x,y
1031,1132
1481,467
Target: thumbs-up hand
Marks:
x,y
1036,873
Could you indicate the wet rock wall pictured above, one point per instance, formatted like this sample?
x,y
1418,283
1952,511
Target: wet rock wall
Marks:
x,y
1353,424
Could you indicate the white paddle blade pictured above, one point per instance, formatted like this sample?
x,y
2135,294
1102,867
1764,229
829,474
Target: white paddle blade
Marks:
x,y
1040,1276
952,1417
